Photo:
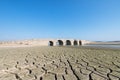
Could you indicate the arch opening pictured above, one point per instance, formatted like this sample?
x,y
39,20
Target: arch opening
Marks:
x,y
80,42
60,42
75,43
68,42
50,43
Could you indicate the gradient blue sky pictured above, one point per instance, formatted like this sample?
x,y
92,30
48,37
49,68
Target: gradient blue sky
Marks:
x,y
96,20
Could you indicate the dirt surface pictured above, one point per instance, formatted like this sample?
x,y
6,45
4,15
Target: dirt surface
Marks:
x,y
59,63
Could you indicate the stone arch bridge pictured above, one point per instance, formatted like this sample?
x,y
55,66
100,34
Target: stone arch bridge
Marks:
x,y
66,42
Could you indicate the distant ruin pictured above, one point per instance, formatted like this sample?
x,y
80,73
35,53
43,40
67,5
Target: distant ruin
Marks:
x,y
65,42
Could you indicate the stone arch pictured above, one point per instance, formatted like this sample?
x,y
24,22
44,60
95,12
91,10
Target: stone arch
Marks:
x,y
80,42
60,42
75,42
51,43
68,42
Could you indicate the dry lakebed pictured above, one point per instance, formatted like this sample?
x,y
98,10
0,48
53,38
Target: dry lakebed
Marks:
x,y
59,63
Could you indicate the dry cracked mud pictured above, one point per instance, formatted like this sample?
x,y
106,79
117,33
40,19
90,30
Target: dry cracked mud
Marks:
x,y
59,63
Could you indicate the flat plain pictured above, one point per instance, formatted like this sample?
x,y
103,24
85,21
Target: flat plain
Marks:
x,y
59,63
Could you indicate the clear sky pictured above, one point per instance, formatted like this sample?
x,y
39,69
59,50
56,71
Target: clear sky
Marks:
x,y
94,20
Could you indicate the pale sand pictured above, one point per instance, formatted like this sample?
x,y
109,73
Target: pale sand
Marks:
x,y
59,63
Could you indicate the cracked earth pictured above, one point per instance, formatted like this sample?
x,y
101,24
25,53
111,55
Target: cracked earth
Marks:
x,y
59,63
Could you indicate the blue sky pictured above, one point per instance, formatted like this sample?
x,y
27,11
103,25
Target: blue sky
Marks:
x,y
96,20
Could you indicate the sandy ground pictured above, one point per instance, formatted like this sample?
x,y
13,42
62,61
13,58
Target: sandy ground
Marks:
x,y
59,63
